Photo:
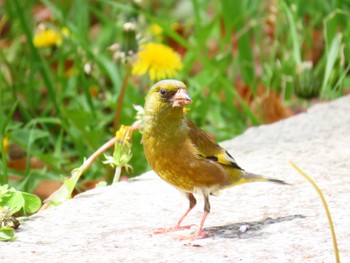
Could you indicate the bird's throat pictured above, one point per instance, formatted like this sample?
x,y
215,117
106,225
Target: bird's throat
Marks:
x,y
166,129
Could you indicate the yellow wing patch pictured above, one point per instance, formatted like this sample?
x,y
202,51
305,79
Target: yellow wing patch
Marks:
x,y
224,158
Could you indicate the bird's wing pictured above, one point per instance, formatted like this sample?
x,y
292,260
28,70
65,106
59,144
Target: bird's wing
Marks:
x,y
209,149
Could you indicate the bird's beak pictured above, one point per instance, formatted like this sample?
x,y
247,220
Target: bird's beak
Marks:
x,y
181,98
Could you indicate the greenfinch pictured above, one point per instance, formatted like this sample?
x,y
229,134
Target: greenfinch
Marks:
x,y
185,156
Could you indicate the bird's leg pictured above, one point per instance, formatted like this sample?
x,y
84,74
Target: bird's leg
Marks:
x,y
199,233
178,226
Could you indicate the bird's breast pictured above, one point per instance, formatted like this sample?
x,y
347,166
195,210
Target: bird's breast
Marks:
x,y
167,161
176,162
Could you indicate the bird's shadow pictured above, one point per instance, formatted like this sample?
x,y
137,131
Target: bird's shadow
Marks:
x,y
246,229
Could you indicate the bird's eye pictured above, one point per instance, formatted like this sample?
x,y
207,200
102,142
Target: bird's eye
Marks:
x,y
163,92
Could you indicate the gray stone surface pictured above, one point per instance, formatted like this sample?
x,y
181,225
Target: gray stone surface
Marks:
x,y
286,223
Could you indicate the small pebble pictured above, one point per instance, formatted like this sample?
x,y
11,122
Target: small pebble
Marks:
x,y
244,228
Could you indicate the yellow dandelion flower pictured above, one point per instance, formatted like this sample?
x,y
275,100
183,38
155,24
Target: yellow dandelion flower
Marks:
x,y
123,135
186,110
157,31
65,31
158,60
5,144
47,38
122,152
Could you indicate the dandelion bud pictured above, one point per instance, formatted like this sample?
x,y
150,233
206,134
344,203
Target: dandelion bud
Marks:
x,y
128,47
306,85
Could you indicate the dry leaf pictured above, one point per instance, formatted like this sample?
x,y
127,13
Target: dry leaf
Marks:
x,y
269,108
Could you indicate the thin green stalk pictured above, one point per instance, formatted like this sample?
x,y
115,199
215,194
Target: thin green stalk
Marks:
x,y
6,120
3,174
318,190
120,99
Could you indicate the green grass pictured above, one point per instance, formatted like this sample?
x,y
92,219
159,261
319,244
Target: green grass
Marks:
x,y
56,118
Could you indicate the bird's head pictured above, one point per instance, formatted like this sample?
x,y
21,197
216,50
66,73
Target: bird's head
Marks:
x,y
167,94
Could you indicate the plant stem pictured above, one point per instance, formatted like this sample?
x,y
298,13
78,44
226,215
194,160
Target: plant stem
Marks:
x,y
120,99
96,154
117,173
318,190
5,121
3,173
57,195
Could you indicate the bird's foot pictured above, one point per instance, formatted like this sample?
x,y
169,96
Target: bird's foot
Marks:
x,y
198,235
164,230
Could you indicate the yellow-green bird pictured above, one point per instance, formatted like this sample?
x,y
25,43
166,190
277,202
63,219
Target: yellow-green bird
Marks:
x,y
185,156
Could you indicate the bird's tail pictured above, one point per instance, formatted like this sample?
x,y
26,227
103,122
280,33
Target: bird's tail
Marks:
x,y
250,177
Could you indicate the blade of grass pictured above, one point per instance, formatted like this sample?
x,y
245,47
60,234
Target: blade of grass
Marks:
x,y
319,192
196,8
293,33
343,75
43,67
6,120
333,43
332,55
239,29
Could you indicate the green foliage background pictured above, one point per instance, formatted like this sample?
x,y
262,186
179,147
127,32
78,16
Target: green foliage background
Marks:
x,y
55,118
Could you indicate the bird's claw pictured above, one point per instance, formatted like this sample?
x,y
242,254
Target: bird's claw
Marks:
x,y
164,230
197,235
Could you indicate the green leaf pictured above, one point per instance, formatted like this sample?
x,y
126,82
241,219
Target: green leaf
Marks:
x,y
17,201
7,234
3,190
26,136
63,193
31,204
13,200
